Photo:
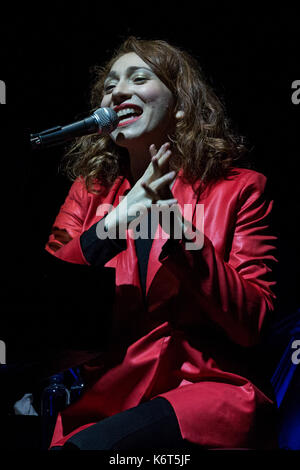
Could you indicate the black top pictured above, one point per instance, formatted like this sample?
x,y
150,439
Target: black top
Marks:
x,y
99,251
143,247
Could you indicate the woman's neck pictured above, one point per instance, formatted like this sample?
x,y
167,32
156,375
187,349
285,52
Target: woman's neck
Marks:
x,y
139,159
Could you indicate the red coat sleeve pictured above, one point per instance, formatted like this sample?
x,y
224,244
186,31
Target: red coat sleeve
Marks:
x,y
64,240
236,293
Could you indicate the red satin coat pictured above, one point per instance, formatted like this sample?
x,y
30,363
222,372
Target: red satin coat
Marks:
x,y
205,311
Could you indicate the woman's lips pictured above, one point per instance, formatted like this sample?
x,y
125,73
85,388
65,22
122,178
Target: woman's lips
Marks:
x,y
125,122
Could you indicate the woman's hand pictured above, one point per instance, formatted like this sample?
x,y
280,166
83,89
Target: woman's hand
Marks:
x,y
159,167
152,188
174,224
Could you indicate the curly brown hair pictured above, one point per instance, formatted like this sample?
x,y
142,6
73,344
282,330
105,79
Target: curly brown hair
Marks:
x,y
206,147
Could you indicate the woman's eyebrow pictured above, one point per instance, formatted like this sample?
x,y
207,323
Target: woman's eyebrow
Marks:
x,y
131,69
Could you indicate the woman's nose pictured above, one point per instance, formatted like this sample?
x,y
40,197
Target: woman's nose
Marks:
x,y
121,92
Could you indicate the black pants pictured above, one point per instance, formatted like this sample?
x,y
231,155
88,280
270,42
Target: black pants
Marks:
x,y
151,425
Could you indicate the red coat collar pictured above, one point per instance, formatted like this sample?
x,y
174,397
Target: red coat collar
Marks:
x,y
125,264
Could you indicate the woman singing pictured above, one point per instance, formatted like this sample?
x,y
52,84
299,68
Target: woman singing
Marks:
x,y
192,296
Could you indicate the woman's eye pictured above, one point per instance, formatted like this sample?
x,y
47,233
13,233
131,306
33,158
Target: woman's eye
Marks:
x,y
108,88
140,79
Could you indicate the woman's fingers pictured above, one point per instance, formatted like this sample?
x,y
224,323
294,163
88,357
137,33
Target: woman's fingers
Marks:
x,y
155,188
162,154
150,192
155,164
164,157
166,202
159,162
164,180
153,150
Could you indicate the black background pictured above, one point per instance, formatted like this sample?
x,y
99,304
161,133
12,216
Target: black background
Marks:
x,y
251,58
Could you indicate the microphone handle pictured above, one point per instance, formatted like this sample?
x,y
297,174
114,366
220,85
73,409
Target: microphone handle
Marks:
x,y
57,135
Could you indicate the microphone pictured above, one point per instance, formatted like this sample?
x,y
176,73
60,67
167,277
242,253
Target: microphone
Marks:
x,y
102,121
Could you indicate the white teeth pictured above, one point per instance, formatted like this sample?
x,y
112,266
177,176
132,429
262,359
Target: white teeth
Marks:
x,y
124,111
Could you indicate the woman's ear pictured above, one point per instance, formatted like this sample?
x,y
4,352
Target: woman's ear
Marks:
x,y
179,114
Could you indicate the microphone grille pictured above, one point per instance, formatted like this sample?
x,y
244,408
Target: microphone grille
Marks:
x,y
107,120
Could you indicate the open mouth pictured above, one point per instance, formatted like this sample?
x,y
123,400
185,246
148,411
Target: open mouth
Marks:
x,y
127,115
